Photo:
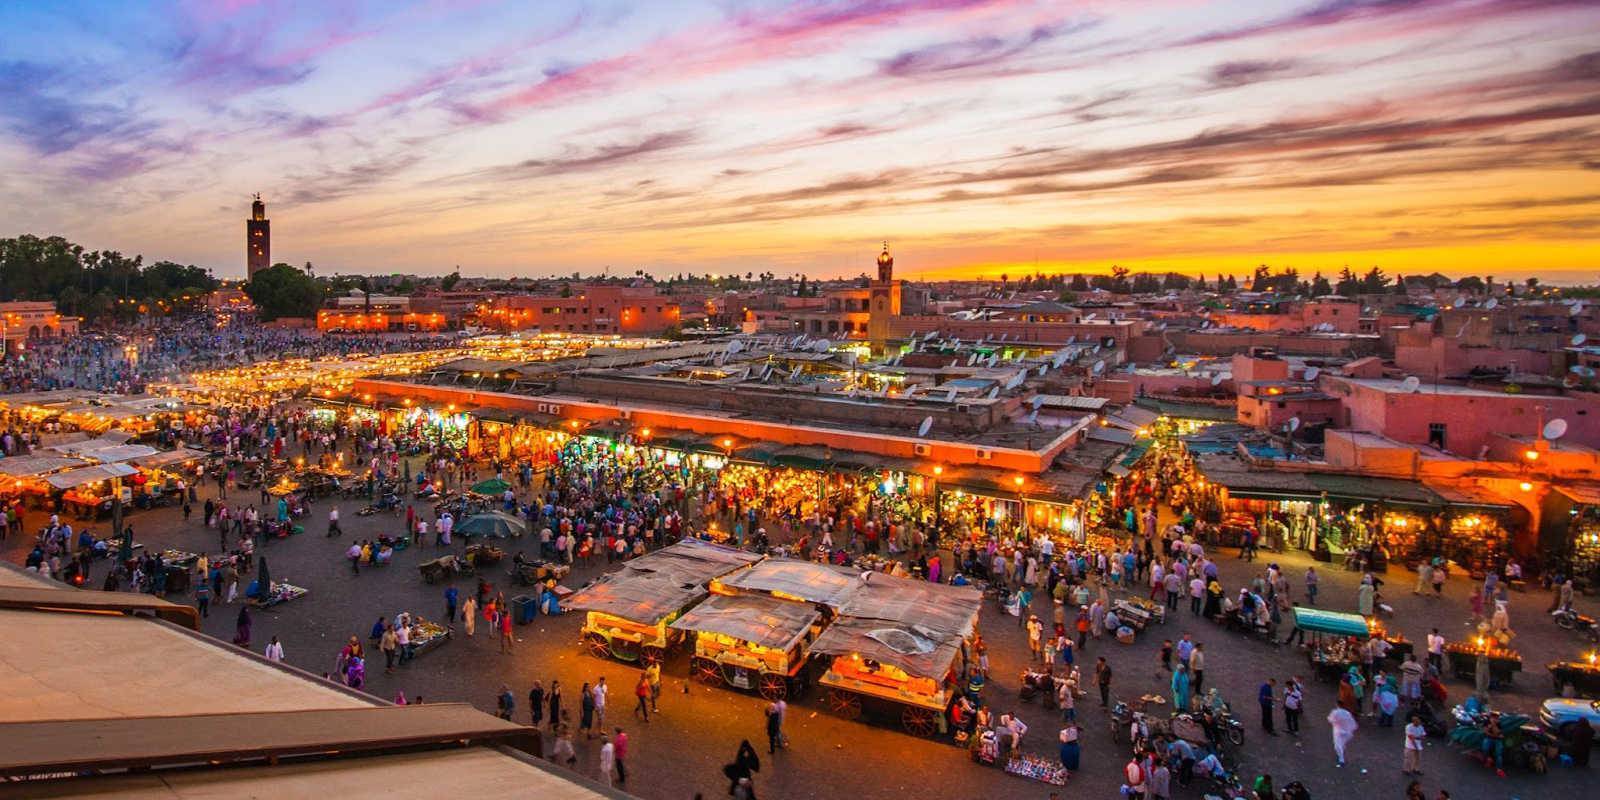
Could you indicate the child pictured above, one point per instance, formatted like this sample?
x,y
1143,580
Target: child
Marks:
x,y
1166,654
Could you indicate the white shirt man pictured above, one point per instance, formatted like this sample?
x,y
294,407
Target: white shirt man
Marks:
x,y
1415,733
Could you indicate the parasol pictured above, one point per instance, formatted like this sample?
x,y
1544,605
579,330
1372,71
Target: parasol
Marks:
x,y
492,486
493,523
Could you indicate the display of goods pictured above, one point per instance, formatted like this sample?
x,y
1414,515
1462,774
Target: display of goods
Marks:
x,y
1039,769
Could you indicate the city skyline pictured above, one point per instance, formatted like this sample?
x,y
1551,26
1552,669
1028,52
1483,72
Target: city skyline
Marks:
x,y
980,136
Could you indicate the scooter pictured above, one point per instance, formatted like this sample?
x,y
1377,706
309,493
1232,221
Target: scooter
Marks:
x,y
1568,618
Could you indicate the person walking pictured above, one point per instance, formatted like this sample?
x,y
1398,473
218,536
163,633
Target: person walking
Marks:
x,y
1415,733
774,728
202,596
451,596
1267,697
503,617
389,643
555,703
641,692
1180,689
1293,697
608,759
469,614
586,714
1343,726
1102,677
507,702
652,673
600,691
1197,669
620,747
1311,585
536,704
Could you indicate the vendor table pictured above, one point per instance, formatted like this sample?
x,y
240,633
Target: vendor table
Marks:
x,y
180,558
282,593
1582,676
1503,664
427,635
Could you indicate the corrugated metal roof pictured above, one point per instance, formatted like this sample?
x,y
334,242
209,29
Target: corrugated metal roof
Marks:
x,y
758,619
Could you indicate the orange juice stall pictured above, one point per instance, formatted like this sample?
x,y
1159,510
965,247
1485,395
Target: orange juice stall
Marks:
x,y
899,647
751,642
629,610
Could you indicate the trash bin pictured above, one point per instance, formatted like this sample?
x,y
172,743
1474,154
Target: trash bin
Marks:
x,y
523,609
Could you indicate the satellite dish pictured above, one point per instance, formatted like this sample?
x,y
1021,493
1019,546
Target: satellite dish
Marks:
x,y
1033,416
1099,367
735,346
794,373
1577,308
950,396
1216,380
927,425
899,358
956,342
1555,429
822,345
1579,339
1087,317
994,359
1038,400
1016,380
1410,384
1493,303
994,392
1072,338
1227,375
971,358
1294,424
1311,374
1460,301
1058,359
1043,369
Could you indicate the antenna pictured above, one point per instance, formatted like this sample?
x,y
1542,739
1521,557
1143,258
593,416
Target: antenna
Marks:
x,y
1555,429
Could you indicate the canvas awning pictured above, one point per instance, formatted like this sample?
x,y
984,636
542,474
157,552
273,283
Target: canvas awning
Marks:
x,y
162,458
1106,433
1582,493
793,579
83,475
1336,622
120,453
1468,496
915,625
653,586
36,465
758,619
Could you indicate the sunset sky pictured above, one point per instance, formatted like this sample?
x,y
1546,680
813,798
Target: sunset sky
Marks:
x,y
978,136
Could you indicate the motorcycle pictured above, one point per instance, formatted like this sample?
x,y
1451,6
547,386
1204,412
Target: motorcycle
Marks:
x,y
1567,617
1521,744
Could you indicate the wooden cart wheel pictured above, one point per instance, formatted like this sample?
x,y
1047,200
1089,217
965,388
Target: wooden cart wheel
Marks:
x,y
844,704
773,686
598,646
919,721
652,654
706,671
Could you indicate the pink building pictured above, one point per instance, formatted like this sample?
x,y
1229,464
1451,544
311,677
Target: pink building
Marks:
x,y
1455,418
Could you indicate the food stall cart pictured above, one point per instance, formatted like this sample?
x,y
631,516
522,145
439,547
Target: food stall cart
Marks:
x,y
1504,662
1581,675
629,610
427,635
280,593
899,645
751,642
1336,638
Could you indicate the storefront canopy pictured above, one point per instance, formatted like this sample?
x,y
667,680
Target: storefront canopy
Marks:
x,y
1378,490
81,476
1469,496
1583,494
1334,622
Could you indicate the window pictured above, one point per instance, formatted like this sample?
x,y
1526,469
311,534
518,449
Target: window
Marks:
x,y
1436,434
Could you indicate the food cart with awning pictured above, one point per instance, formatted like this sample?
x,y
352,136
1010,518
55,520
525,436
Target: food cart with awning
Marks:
x,y
789,579
88,489
629,610
751,642
1336,636
901,645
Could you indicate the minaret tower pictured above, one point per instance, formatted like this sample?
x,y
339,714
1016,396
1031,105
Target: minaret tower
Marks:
x,y
883,302
257,239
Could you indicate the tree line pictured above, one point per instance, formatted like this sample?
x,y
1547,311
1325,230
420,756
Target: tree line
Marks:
x,y
97,284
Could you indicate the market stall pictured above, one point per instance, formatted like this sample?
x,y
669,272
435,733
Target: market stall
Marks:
x,y
1335,639
427,635
1504,662
630,610
1580,677
902,646
751,642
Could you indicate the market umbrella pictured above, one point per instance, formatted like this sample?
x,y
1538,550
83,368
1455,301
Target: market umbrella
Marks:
x,y
263,579
493,486
493,523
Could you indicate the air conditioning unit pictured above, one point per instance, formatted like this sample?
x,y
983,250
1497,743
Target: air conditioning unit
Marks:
x,y
555,408
627,413
922,449
544,408
984,455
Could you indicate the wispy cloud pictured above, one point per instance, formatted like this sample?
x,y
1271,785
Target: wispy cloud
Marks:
x,y
1233,74
577,160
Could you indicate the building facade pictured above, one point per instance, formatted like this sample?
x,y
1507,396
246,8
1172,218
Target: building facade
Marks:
x,y
602,309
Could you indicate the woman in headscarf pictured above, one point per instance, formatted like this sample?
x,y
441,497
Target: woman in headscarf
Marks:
x,y
1180,688
241,635
1069,747
745,763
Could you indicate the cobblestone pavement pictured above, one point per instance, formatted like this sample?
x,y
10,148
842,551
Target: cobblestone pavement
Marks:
x,y
679,752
